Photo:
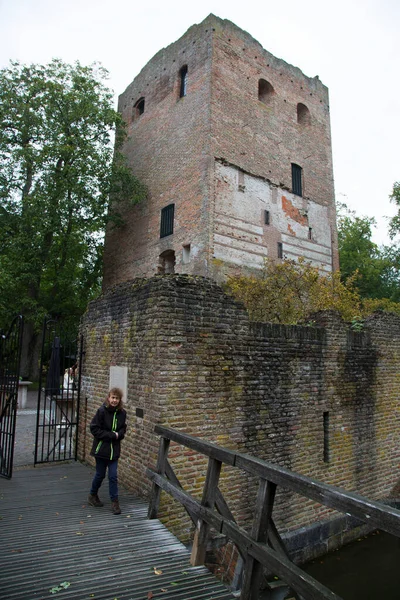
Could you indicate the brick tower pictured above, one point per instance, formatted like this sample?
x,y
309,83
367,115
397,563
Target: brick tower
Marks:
x,y
234,146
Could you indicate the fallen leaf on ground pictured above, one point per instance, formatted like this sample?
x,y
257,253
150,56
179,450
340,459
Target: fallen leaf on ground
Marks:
x,y
157,571
149,595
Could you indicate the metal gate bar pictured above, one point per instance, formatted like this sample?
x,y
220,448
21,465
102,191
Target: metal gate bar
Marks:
x,y
58,395
10,360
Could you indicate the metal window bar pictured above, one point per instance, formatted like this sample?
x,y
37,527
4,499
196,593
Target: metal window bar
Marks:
x,y
167,220
184,79
297,185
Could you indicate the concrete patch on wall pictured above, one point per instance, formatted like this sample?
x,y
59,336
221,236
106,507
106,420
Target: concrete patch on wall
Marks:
x,y
253,216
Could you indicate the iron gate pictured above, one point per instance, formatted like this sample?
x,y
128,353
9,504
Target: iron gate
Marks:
x,y
58,395
10,359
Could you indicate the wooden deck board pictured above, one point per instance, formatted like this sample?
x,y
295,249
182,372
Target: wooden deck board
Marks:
x,y
50,535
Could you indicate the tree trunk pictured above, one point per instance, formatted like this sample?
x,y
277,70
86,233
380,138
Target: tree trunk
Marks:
x,y
30,355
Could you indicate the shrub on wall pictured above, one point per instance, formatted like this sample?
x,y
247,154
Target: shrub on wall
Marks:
x,y
288,292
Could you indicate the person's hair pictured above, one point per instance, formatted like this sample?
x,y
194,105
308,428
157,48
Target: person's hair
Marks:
x,y
116,391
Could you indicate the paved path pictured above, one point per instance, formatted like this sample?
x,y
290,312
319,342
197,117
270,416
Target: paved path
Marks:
x,y
25,431
53,545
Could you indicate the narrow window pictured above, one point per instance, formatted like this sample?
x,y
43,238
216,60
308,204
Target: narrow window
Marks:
x,y
241,186
310,233
303,114
326,437
297,185
167,220
186,254
266,217
265,91
138,108
280,250
183,77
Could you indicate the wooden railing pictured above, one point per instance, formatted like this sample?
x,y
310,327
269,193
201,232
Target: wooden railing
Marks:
x,y
264,547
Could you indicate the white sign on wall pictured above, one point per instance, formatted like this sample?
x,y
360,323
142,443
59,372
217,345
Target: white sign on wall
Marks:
x,y
119,378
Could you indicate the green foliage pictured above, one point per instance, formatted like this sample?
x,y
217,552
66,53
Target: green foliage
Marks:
x,y
394,224
374,269
288,292
58,171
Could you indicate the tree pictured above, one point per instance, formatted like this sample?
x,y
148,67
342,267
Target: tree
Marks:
x,y
304,290
394,224
374,269
58,171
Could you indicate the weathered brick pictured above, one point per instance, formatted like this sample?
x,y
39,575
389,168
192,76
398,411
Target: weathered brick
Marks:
x,y
270,403
222,155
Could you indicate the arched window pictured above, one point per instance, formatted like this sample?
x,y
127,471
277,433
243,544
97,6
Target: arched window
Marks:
x,y
183,78
138,108
265,91
166,262
303,114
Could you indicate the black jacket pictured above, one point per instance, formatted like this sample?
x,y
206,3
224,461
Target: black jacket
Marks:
x,y
105,422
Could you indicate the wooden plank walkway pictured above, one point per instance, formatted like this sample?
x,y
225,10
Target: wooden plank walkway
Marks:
x,y
49,535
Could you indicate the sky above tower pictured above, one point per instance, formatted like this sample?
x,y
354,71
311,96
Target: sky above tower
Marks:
x,y
352,45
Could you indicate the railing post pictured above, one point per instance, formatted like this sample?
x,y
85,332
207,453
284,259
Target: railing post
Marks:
x,y
156,490
253,569
208,500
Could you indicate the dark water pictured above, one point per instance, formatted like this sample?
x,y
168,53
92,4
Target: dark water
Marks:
x,y
368,569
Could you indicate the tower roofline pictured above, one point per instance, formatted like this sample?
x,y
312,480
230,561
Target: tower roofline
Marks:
x,y
219,24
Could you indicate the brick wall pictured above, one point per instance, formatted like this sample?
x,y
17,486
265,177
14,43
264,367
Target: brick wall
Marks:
x,y
177,144
196,363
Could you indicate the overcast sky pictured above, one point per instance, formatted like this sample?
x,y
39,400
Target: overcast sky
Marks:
x,y
352,45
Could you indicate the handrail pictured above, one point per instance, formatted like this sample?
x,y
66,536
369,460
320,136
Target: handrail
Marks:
x,y
264,547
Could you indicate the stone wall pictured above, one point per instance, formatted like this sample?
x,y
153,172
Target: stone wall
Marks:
x,y
177,145
322,401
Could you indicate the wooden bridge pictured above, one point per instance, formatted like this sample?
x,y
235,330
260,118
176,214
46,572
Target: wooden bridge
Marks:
x,y
53,545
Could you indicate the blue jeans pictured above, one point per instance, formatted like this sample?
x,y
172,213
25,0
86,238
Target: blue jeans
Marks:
x,y
101,467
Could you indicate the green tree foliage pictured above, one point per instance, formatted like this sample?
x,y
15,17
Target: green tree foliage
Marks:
x,y
373,269
394,225
58,171
289,292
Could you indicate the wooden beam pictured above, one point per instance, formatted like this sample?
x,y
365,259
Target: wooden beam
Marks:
x,y
300,581
208,500
189,502
156,490
253,571
377,514
207,448
169,472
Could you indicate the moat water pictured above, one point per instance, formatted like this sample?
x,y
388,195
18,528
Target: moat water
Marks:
x,y
367,569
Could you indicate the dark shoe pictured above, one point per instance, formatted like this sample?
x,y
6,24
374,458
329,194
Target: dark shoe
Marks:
x,y
115,507
94,500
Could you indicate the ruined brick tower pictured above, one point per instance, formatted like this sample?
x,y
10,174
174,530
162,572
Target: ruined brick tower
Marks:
x,y
235,148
